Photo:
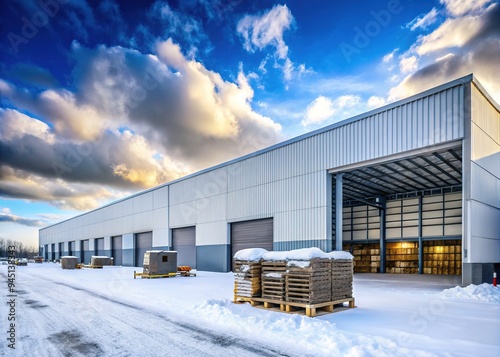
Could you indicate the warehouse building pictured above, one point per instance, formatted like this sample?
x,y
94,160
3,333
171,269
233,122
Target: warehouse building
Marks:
x,y
412,187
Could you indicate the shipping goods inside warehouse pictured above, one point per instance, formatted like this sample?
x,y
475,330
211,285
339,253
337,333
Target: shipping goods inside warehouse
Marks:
x,y
403,216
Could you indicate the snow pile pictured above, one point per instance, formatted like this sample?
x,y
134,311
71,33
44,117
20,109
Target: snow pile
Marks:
x,y
340,255
297,254
484,292
318,337
250,254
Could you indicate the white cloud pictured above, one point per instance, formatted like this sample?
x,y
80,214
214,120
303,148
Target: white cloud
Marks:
x,y
260,31
324,108
454,32
422,22
462,7
375,102
178,116
468,41
390,56
408,64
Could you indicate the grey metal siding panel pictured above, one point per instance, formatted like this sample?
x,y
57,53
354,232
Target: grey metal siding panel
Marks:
x,y
143,243
116,250
252,234
184,242
213,257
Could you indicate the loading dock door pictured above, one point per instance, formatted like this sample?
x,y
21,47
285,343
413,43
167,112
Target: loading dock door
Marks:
x,y
61,250
116,243
86,254
99,246
71,248
184,242
143,243
252,234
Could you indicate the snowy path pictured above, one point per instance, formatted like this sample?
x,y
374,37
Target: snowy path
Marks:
x,y
58,319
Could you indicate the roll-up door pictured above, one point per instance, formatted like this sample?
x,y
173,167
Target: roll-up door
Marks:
x,y
61,250
53,251
117,254
252,234
86,254
71,248
99,246
184,242
46,252
143,243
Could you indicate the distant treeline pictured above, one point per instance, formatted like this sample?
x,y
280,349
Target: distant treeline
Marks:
x,y
20,250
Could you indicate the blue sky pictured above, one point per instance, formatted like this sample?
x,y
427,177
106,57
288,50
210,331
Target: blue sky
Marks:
x,y
103,99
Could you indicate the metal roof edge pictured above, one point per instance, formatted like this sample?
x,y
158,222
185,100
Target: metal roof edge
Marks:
x,y
459,81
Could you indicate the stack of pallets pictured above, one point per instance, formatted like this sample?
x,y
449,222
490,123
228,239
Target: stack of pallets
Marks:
x,y
69,262
247,283
273,279
309,281
342,273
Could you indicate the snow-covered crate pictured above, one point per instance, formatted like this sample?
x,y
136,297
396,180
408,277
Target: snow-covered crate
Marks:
x,y
247,279
273,279
69,262
342,276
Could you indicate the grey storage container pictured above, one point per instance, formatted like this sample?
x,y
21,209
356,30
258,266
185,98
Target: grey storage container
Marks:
x,y
160,262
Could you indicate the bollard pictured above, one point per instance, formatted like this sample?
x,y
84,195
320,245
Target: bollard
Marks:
x,y
494,279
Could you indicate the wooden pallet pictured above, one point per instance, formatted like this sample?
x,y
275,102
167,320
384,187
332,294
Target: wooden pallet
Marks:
x,y
310,310
186,273
153,276
92,266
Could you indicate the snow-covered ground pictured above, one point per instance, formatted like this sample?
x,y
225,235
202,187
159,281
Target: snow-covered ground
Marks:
x,y
108,313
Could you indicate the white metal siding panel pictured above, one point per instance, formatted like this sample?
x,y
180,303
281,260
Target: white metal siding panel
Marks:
x,y
484,211
160,197
212,233
160,218
300,225
143,221
143,202
211,209
182,191
160,238
183,214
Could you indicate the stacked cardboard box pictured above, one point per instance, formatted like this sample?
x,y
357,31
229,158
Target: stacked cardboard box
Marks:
x,y
309,281
247,281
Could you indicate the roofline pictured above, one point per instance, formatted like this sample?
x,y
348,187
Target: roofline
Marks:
x,y
459,81
483,91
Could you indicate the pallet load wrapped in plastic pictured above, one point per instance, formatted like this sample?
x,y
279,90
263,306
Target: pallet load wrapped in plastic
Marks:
x,y
342,274
69,262
247,273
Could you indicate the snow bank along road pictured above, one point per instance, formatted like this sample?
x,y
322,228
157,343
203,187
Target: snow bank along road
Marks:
x,y
106,312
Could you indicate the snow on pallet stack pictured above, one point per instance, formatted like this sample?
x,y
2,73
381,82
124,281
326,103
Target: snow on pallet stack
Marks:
x,y
247,274
342,274
307,279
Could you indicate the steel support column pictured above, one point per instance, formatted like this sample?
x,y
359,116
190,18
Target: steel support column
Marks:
x,y
420,243
382,236
338,211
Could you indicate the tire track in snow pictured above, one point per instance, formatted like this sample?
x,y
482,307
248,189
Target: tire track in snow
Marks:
x,y
118,324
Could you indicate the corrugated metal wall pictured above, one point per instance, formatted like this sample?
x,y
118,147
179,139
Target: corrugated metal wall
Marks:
x,y
287,183
483,199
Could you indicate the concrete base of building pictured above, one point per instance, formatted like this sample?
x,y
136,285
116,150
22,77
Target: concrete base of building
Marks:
x,y
478,273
